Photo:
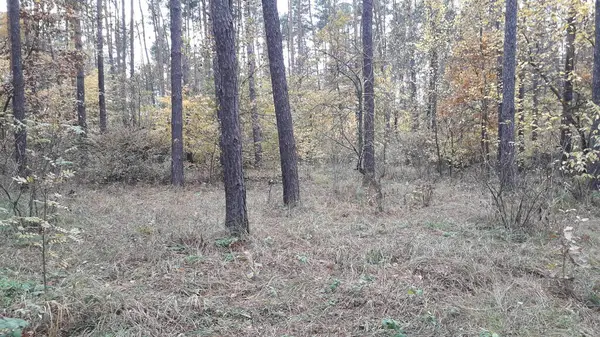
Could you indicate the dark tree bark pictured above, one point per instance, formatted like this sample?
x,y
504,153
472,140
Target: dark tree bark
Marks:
x,y
594,132
18,82
565,132
256,129
132,104
81,117
100,47
226,85
507,167
285,128
368,92
176,95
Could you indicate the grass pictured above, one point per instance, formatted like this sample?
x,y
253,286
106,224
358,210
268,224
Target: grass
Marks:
x,y
157,262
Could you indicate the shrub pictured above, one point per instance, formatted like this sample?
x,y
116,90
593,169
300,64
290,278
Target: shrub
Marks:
x,y
127,155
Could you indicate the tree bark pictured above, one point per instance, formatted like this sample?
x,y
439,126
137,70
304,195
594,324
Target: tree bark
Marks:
x,y
176,96
593,142
368,92
108,17
100,47
18,82
565,132
226,85
256,129
81,116
507,167
285,128
132,102
152,94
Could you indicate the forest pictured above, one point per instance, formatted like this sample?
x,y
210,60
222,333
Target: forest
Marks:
x,y
299,168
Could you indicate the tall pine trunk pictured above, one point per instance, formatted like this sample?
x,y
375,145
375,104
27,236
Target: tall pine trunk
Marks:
x,y
256,129
368,93
100,47
18,82
176,95
226,86
81,116
594,132
507,166
285,128
567,116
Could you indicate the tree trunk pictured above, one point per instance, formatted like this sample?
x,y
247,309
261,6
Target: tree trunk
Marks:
x,y
152,94
369,95
290,36
521,113
256,129
81,117
100,47
132,69
226,85
567,116
18,82
176,95
507,136
285,128
593,142
535,107
159,48
108,17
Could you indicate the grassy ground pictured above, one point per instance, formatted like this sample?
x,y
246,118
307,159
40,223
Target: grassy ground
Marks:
x,y
156,262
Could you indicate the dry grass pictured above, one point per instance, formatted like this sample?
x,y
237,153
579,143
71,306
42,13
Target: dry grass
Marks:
x,y
149,265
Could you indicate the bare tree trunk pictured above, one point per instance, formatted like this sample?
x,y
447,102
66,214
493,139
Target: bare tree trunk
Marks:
x,y
152,94
368,94
81,116
521,112
132,83
176,95
285,128
507,167
256,129
18,82
109,31
535,108
100,47
290,41
159,48
593,137
226,85
567,116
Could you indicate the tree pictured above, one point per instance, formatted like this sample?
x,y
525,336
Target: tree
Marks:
x,y
285,128
81,117
256,129
565,132
18,82
507,136
369,95
226,86
176,95
100,46
595,167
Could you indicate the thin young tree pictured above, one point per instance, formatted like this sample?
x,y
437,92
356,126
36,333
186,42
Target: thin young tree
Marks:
x,y
100,46
226,86
81,115
250,35
176,95
594,133
18,82
131,67
368,93
285,128
507,161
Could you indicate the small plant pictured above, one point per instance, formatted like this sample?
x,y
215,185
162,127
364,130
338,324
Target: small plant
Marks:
x,y
374,256
226,242
390,324
302,258
569,247
12,327
334,285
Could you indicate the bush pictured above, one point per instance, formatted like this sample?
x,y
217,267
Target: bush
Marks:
x,y
127,155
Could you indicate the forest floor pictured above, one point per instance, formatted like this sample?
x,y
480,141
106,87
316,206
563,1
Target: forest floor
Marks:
x,y
155,261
